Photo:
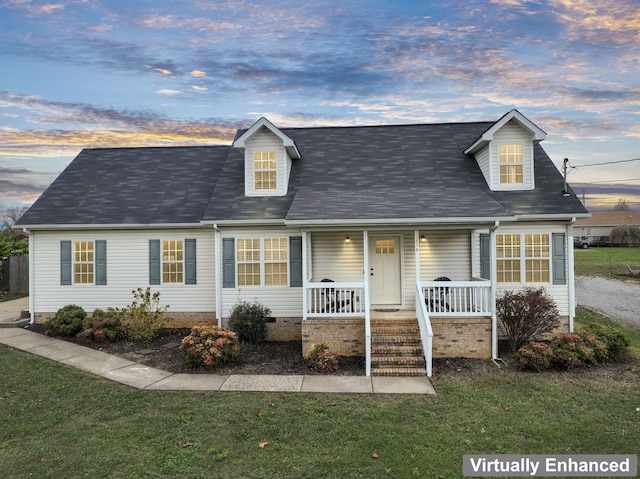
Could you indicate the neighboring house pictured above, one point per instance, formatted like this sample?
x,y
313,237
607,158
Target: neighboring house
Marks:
x,y
385,212
597,229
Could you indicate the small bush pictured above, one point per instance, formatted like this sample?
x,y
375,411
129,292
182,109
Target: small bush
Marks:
x,y
615,342
570,351
103,326
249,320
534,357
144,317
67,321
320,358
210,346
526,315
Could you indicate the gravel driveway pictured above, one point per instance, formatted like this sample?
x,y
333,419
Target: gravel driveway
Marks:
x,y
618,299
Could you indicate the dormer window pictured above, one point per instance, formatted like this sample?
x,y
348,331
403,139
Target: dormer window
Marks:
x,y
265,167
268,157
511,165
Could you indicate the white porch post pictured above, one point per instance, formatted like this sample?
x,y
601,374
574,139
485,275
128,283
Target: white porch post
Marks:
x,y
571,275
367,309
217,245
416,244
305,279
494,284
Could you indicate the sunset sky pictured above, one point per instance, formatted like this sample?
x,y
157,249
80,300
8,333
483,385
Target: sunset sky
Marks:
x,y
104,73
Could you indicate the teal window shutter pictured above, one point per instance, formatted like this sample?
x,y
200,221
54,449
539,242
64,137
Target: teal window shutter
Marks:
x,y
295,261
558,252
485,256
190,261
228,263
65,263
101,262
154,261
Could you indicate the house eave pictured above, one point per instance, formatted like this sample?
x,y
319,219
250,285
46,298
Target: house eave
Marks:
x,y
287,142
390,222
552,217
114,226
276,222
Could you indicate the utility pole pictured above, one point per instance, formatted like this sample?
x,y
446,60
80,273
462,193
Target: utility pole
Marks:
x,y
565,191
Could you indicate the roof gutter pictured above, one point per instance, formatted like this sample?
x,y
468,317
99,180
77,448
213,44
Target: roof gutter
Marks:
x,y
340,222
117,226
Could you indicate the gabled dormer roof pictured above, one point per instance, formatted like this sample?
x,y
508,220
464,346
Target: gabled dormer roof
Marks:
x,y
537,133
287,142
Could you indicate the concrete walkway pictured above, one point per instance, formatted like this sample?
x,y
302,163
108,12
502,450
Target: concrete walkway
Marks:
x,y
10,311
145,377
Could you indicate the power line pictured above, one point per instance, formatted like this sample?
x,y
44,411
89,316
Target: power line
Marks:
x,y
606,163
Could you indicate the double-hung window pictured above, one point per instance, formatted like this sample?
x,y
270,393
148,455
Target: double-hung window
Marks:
x,y
83,258
83,262
534,259
263,261
265,170
172,261
511,164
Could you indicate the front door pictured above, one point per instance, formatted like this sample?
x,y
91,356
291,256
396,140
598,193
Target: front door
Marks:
x,y
385,279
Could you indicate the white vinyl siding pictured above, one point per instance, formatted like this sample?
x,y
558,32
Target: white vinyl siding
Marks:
x,y
260,143
128,269
484,162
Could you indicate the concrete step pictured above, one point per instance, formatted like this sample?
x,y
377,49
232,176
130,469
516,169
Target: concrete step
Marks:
x,y
398,371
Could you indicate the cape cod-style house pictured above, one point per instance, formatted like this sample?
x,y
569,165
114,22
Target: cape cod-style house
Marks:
x,y
352,235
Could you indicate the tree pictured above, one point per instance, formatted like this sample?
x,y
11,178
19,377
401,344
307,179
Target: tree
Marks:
x,y
622,205
10,242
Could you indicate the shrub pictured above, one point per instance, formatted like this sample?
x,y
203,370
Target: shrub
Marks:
x,y
534,357
320,358
526,314
144,317
249,320
210,346
103,326
67,321
571,351
615,342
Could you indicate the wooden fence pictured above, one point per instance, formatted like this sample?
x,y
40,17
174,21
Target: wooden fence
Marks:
x,y
14,274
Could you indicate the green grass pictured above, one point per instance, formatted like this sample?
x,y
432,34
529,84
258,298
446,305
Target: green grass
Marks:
x,y
6,296
585,317
606,261
59,422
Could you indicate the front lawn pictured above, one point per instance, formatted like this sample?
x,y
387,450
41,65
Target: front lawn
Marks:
x,y
606,261
59,422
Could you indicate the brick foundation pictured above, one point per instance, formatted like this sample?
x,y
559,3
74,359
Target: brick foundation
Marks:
x,y
345,336
461,337
283,329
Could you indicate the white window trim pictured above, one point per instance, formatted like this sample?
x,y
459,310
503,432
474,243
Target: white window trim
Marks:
x,y
74,262
523,258
163,261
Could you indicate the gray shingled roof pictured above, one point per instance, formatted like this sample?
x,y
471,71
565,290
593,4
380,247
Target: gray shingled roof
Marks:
x,y
381,173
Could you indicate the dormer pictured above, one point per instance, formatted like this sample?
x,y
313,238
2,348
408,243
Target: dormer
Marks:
x,y
504,152
268,156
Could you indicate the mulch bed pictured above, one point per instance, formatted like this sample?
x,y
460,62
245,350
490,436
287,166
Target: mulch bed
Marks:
x,y
163,352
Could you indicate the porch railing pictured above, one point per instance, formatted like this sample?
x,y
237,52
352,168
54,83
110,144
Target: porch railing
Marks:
x,y
457,298
426,333
336,300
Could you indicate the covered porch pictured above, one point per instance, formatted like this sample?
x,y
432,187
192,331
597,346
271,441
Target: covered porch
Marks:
x,y
357,283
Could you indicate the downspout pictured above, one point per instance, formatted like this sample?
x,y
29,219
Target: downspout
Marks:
x,y
32,278
572,275
218,259
494,285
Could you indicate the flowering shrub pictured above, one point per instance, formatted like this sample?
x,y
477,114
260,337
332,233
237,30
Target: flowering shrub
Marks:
x,y
67,321
534,357
103,326
210,346
144,317
571,351
615,342
320,358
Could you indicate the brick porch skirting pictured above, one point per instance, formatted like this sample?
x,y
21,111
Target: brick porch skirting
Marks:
x,y
344,336
461,337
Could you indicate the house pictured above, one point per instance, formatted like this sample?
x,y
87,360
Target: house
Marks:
x,y
597,229
348,234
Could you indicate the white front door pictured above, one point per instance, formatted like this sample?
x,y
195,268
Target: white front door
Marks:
x,y
385,279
